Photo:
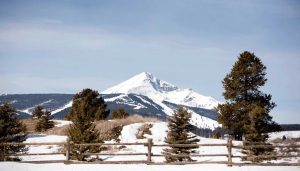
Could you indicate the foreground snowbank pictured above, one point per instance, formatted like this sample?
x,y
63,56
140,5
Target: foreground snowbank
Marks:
x,y
11,166
42,138
128,134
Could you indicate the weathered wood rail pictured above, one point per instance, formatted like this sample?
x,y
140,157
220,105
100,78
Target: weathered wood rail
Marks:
x,y
148,160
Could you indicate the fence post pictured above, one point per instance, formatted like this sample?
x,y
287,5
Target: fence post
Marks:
x,y
68,150
229,148
150,142
4,156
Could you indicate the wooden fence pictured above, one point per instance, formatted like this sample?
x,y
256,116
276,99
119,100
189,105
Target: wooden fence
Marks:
x,y
149,155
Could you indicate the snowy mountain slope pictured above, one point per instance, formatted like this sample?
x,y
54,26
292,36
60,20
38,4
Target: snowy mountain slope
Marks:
x,y
169,97
148,85
142,105
134,104
30,109
66,106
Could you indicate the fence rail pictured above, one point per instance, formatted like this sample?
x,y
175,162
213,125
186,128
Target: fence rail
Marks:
x,y
149,145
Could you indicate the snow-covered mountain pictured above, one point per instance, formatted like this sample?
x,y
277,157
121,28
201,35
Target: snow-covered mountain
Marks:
x,y
148,85
169,97
143,94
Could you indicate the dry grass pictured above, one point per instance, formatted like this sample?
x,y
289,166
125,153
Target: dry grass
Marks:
x,y
63,130
30,125
104,127
30,128
107,125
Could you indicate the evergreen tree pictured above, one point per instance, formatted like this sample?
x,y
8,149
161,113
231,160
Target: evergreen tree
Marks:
x,y
179,133
45,122
83,128
37,112
89,102
11,130
83,131
217,135
116,132
246,111
119,114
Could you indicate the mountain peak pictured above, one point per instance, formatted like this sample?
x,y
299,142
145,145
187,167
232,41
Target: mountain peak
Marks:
x,y
143,76
141,83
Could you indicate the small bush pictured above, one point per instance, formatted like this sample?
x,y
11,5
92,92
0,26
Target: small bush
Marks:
x,y
120,114
44,122
217,135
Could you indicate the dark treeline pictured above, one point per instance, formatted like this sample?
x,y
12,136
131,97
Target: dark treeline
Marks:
x,y
208,133
290,127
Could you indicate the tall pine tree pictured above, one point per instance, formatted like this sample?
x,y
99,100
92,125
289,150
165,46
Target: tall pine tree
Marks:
x,y
89,102
83,128
179,133
11,130
246,111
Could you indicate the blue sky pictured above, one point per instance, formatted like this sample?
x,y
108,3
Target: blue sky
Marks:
x,y
64,46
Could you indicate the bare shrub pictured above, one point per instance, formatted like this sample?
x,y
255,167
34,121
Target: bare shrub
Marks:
x,y
31,124
144,129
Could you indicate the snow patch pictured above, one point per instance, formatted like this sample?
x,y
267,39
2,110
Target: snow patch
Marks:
x,y
61,123
29,110
287,134
68,105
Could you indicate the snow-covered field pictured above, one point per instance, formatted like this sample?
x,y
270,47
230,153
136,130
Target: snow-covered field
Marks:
x,y
158,133
60,123
7,166
287,134
40,138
